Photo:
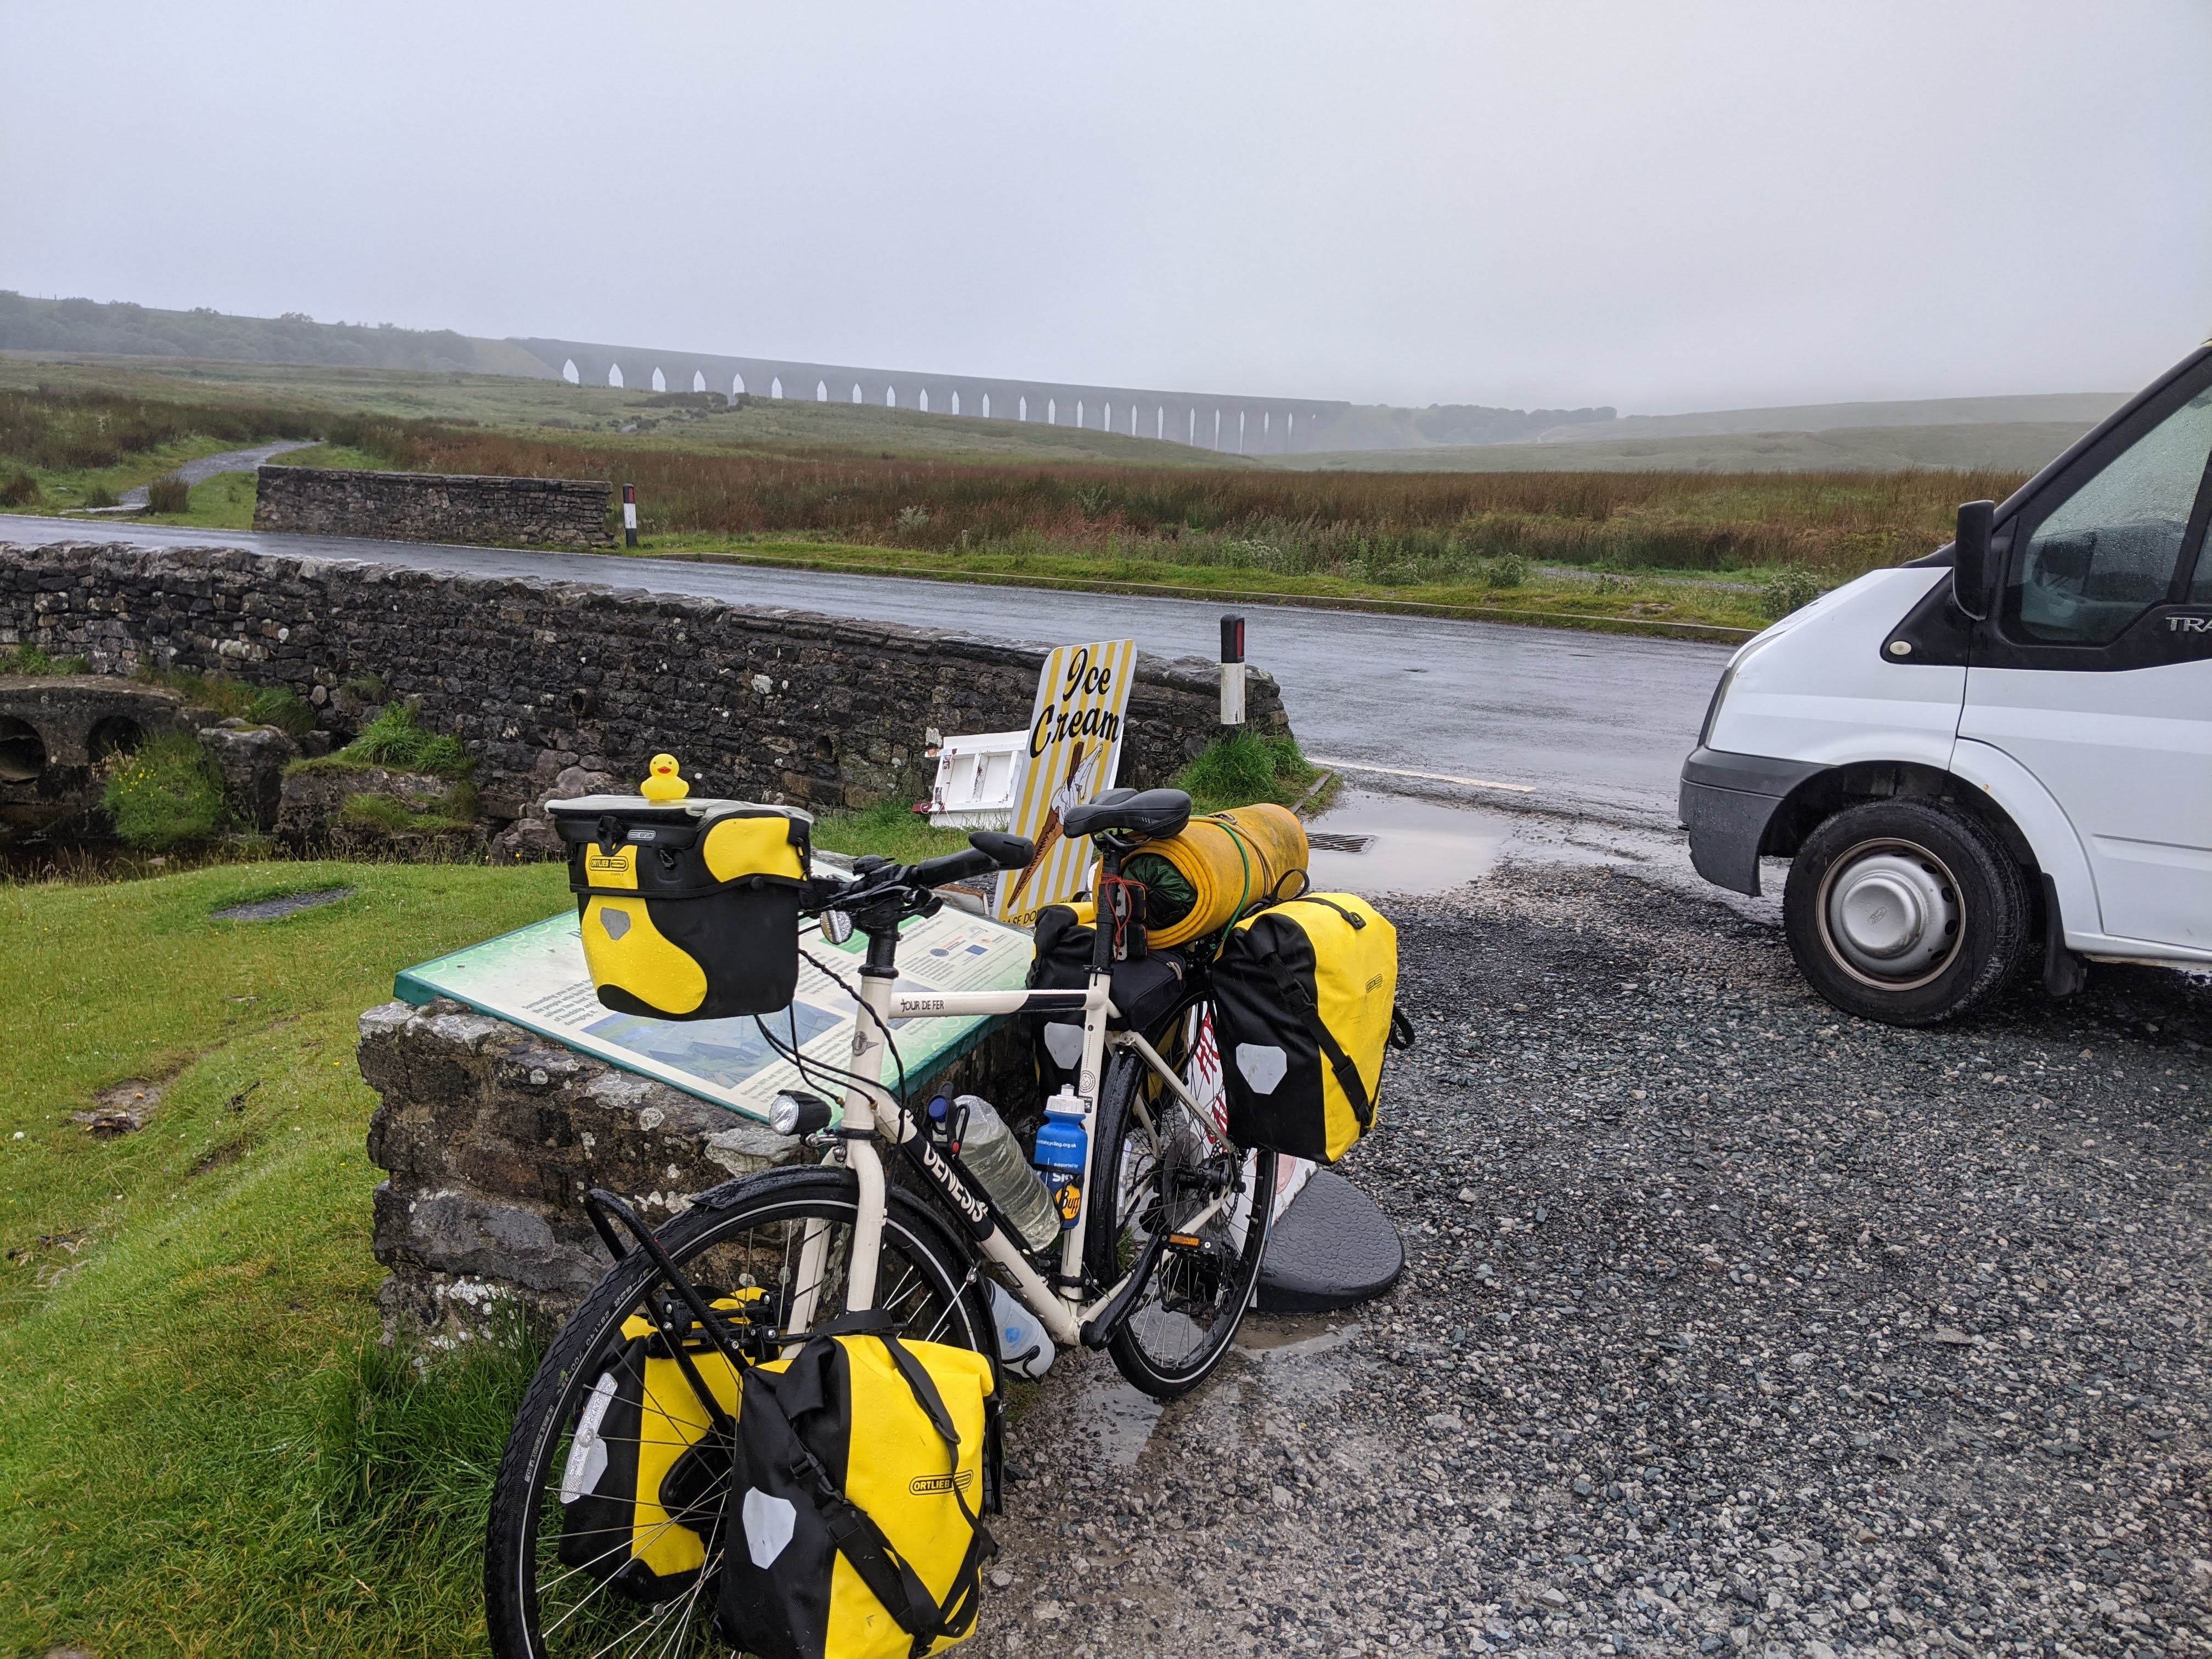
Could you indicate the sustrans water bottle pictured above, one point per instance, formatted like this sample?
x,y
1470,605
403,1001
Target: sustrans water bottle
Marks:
x,y
989,1153
1022,1345
1060,1146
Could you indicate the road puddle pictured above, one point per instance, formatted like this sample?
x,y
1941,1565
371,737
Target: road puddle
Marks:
x,y
1120,1417
1410,846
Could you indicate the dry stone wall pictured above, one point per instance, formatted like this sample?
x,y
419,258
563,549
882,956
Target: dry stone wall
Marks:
x,y
433,507
490,1135
544,680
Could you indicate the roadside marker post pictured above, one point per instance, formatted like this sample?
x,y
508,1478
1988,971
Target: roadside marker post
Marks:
x,y
630,515
1232,674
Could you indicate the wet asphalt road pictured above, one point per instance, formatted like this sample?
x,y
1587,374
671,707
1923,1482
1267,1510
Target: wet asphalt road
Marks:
x,y
1580,723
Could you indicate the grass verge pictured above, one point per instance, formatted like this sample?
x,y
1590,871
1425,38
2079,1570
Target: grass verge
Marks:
x,y
180,1307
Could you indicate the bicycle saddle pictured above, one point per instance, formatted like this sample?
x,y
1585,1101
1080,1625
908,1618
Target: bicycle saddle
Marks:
x,y
1153,814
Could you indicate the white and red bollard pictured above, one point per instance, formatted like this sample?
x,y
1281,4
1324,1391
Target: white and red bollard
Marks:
x,y
1232,675
630,515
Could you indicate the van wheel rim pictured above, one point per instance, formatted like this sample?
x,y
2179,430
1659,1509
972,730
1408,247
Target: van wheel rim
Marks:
x,y
1890,914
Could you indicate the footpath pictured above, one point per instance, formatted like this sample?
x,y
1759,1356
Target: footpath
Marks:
x,y
1730,1327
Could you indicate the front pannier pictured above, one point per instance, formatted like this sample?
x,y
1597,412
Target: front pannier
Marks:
x,y
689,910
642,1489
854,1534
1305,996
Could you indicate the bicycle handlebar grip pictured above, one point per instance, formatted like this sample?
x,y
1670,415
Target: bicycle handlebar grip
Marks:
x,y
953,866
1007,852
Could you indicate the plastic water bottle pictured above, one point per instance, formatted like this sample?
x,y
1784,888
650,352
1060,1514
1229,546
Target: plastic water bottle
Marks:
x,y
989,1153
1060,1146
1022,1345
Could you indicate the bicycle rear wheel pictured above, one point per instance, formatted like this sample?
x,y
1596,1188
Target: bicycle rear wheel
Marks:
x,y
752,1235
1167,1172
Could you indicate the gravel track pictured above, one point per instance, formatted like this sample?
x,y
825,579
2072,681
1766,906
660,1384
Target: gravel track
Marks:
x,y
1730,1325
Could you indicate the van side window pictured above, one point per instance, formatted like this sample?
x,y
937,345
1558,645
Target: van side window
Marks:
x,y
2108,553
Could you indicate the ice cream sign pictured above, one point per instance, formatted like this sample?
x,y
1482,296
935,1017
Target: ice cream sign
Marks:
x,y
1074,750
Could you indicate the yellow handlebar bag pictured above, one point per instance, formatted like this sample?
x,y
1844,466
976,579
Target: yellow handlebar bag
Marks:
x,y
688,909
1199,881
1305,1002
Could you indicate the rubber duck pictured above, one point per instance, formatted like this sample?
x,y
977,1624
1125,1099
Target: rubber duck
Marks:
x,y
666,783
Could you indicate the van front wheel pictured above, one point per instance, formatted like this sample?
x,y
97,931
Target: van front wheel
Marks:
x,y
1905,911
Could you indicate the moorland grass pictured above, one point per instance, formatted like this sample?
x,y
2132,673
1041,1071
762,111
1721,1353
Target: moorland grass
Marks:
x,y
187,1307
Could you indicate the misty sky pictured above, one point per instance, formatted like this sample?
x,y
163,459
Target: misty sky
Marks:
x,y
1661,206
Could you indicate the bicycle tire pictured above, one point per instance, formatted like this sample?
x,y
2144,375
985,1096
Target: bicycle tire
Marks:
x,y
923,1266
1193,1300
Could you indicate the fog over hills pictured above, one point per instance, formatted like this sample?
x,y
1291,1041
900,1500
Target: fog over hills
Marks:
x,y
1990,431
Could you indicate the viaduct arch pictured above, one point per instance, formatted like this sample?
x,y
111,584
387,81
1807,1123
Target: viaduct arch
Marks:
x,y
1231,424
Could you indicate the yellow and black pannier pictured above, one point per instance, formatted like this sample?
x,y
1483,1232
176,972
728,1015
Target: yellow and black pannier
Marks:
x,y
690,909
864,1461
1305,999
643,1490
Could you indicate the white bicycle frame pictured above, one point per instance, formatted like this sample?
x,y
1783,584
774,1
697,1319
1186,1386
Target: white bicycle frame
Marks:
x,y
871,1112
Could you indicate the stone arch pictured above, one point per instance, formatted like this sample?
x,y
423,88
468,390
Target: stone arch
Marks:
x,y
614,374
23,750
822,391
1240,432
1052,412
1078,411
1193,428
857,397
737,385
775,387
956,400
987,405
1217,430
1024,414
1160,421
116,734
890,396
698,380
659,381
568,373
922,402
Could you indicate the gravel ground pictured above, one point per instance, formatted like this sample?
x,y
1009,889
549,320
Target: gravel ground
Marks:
x,y
1730,1325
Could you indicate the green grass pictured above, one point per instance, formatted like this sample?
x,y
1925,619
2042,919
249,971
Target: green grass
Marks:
x,y
1245,770
391,815
30,659
396,740
181,1353
167,794
891,829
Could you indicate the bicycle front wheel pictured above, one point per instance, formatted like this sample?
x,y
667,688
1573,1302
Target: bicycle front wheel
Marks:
x,y
787,1235
1159,1169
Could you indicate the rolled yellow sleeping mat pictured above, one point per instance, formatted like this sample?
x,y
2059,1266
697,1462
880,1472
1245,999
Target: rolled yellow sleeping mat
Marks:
x,y
1199,881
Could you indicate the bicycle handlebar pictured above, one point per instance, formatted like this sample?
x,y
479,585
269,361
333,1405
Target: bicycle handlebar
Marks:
x,y
988,850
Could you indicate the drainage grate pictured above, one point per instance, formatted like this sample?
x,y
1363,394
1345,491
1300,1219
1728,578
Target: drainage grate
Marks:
x,y
1327,840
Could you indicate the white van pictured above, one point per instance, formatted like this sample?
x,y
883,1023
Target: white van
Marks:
x,y
2004,746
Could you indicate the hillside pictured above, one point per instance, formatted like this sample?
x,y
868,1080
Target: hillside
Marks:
x,y
2009,447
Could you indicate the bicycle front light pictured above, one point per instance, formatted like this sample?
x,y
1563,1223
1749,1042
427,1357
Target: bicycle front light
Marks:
x,y
795,1113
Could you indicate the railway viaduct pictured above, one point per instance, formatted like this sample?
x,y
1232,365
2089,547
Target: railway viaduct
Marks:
x,y
1232,425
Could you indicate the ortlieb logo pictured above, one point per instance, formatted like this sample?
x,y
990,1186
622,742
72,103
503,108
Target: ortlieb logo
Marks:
x,y
618,865
1374,984
925,1486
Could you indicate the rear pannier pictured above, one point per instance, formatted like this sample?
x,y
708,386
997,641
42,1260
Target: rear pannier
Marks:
x,y
690,909
1305,994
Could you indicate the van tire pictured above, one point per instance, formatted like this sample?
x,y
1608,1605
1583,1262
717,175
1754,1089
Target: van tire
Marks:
x,y
1950,873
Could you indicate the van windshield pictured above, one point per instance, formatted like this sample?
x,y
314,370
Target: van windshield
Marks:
x,y
2108,551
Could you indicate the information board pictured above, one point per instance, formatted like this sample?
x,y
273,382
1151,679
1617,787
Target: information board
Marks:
x,y
535,977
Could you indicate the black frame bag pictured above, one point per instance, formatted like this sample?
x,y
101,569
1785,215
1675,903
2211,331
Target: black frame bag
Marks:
x,y
1305,997
1145,988
864,1461
688,909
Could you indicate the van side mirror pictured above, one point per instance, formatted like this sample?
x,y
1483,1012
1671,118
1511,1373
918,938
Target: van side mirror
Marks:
x,y
1970,559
